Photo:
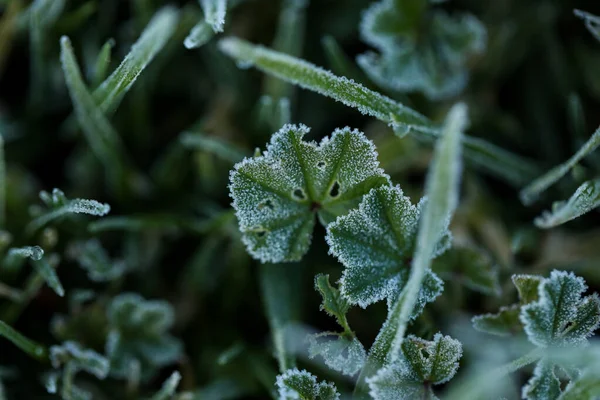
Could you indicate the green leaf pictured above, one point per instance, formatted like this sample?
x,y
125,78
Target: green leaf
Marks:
x,y
33,252
333,303
504,323
561,317
61,207
375,243
45,270
430,58
2,184
93,258
585,199
153,39
527,287
592,22
168,388
485,155
470,266
28,346
340,353
214,13
586,386
543,385
139,334
102,62
424,363
277,196
200,34
530,193
81,359
296,384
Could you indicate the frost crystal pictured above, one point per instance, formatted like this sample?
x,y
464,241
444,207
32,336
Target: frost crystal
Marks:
x,y
420,49
138,334
424,364
277,195
296,384
561,317
376,243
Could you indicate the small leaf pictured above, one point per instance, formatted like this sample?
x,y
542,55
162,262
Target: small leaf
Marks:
x,y
543,385
93,258
214,13
333,304
82,360
586,386
527,287
168,388
592,22
342,354
432,361
296,384
561,317
504,323
585,199
395,383
470,266
200,34
276,196
46,271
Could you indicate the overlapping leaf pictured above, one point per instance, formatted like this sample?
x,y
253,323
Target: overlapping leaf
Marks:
x,y
296,384
277,195
376,243
424,364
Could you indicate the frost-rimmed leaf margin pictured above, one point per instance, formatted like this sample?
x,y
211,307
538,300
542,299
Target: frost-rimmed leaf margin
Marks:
x,y
301,384
277,195
585,199
514,169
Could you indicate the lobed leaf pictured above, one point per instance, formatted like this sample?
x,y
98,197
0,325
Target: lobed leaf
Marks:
x,y
504,323
527,287
277,195
544,384
334,304
561,317
585,199
296,384
586,386
403,119
340,353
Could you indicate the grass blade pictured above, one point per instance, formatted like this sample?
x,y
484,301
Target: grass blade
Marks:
x,y
159,30
45,270
441,189
592,22
585,199
102,63
200,34
214,13
2,184
497,161
30,347
532,191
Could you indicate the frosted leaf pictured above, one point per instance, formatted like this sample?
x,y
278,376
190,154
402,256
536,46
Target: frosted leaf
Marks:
x,y
504,323
297,384
93,258
79,358
33,252
59,207
375,243
469,266
592,22
168,388
424,363
138,333
340,353
543,385
40,264
561,317
586,386
333,303
585,199
277,195
214,13
431,59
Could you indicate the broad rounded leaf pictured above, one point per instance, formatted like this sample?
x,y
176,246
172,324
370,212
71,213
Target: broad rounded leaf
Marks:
x,y
277,195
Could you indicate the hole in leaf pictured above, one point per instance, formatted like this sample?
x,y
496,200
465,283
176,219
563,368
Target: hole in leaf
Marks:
x,y
425,353
261,233
299,194
335,189
321,164
268,203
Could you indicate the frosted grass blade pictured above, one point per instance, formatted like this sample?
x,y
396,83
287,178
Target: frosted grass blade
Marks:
x,y
585,199
155,36
592,22
214,13
28,346
530,193
200,34
102,63
2,184
169,387
497,161
45,270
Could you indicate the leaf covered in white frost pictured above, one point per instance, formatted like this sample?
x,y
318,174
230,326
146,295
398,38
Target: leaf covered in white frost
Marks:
x,y
93,258
561,316
278,195
544,384
422,365
586,386
376,243
214,13
81,359
430,58
297,384
340,353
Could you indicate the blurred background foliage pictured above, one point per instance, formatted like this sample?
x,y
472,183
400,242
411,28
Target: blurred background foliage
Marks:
x,y
171,235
